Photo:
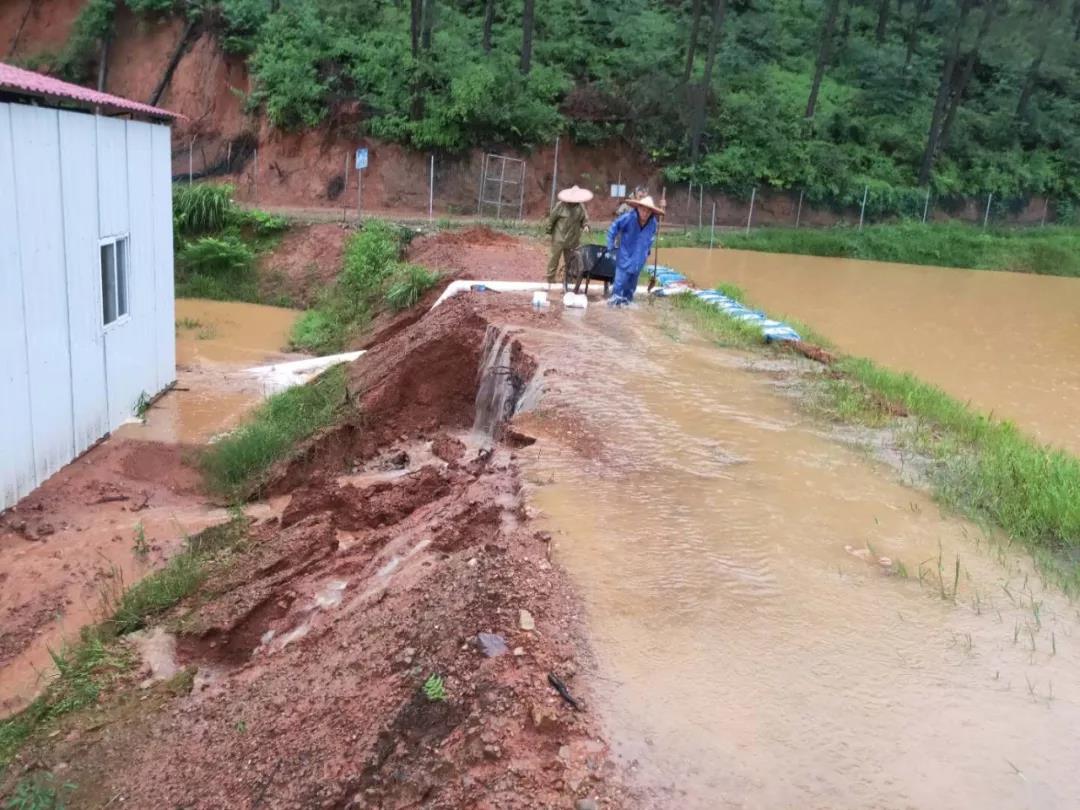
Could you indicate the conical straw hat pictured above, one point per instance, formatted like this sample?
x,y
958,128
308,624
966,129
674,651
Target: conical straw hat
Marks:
x,y
575,194
646,202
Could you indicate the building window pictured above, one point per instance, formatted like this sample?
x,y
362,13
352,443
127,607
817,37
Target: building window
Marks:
x,y
114,279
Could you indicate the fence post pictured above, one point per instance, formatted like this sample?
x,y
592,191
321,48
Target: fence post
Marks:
x,y
750,215
986,216
255,175
483,182
926,205
689,197
700,205
554,173
862,211
431,191
191,159
1046,204
228,158
712,231
798,211
345,188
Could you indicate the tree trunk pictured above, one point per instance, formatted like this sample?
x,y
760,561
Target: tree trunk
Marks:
x,y
1032,75
948,68
427,23
691,48
103,64
824,51
698,125
19,30
882,20
415,12
921,7
489,19
957,95
174,60
527,35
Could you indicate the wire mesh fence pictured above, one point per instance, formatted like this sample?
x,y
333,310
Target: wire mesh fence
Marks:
x,y
517,186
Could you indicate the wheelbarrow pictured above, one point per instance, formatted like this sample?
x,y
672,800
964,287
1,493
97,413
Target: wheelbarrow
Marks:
x,y
593,261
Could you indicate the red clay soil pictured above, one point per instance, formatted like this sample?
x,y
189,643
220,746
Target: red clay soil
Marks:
x,y
312,648
307,259
482,254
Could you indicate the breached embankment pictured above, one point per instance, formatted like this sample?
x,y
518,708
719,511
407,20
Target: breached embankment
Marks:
x,y
403,539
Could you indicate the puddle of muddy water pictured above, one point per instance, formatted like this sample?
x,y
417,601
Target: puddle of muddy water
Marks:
x,y
215,342
746,659
1008,342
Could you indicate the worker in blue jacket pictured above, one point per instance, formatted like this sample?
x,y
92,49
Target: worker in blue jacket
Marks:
x,y
635,232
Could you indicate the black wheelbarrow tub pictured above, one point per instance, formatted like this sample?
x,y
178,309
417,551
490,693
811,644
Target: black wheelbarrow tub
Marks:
x,y
597,263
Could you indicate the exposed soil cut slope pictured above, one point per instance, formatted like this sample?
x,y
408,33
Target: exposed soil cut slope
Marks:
x,y
307,259
388,565
481,253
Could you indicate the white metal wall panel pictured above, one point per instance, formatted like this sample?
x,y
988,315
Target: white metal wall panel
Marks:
x,y
165,316
45,300
112,175
78,170
130,353
17,474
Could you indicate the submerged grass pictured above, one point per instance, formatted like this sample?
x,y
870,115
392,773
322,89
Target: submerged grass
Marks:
x,y
1053,250
235,465
87,667
982,467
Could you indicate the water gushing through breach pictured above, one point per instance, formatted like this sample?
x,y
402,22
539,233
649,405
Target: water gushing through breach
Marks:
x,y
495,391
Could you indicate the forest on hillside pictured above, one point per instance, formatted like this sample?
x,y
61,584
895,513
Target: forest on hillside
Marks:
x,y
965,97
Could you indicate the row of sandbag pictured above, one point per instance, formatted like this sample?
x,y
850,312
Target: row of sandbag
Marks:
x,y
672,282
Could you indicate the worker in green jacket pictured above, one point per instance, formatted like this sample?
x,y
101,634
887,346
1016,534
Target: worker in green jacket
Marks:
x,y
567,220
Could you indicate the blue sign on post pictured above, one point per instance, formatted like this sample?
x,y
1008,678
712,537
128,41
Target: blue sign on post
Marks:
x,y
361,159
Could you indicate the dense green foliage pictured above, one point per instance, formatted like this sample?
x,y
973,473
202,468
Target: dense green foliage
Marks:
x,y
1053,251
371,271
235,465
217,243
1009,119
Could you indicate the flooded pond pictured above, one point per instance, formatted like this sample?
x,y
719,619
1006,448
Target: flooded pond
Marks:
x,y
1007,342
754,649
215,342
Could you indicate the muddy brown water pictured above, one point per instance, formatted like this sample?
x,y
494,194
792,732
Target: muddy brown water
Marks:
x,y
753,650
215,341
1007,342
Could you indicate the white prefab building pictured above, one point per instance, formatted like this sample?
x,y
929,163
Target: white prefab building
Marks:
x,y
86,270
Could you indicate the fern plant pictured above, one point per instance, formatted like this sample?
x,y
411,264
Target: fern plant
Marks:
x,y
213,256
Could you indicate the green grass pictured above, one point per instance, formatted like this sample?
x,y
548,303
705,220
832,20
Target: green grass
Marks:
x,y
408,285
372,277
235,465
1053,250
39,791
981,467
201,208
435,688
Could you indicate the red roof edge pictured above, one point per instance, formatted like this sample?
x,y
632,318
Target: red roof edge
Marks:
x,y
27,82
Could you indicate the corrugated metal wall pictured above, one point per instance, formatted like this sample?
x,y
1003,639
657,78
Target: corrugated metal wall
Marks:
x,y
67,180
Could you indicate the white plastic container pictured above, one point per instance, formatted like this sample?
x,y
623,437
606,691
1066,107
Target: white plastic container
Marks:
x,y
575,301
540,299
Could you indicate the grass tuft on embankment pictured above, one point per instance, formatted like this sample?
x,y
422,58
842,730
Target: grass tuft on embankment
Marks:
x,y
235,465
372,277
1053,250
984,468
86,668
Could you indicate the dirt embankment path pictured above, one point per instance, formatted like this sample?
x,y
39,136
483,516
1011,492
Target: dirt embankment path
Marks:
x,y
404,551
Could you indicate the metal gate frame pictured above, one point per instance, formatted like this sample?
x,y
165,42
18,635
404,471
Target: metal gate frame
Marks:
x,y
489,176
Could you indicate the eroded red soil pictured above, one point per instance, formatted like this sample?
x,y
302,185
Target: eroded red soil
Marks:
x,y
403,540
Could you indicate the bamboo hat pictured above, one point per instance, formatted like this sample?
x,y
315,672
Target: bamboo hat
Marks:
x,y
646,202
575,194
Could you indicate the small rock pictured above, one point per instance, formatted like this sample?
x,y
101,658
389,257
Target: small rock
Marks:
x,y
492,751
586,804
472,562
525,620
519,651
407,655
492,644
